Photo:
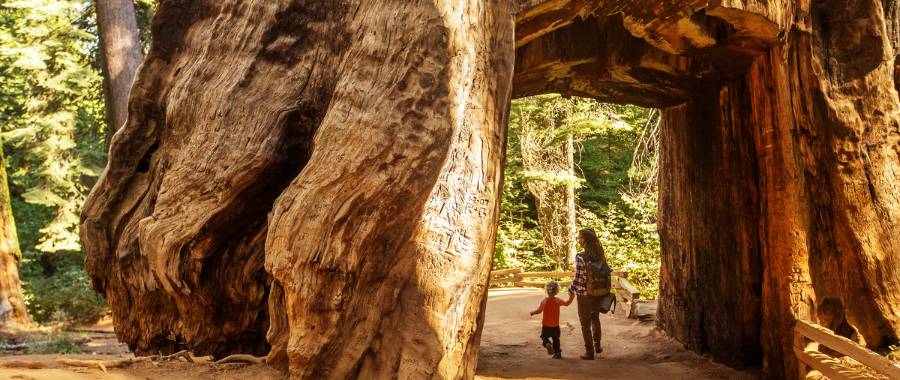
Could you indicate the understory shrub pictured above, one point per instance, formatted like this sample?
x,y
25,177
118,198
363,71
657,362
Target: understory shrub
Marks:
x,y
57,289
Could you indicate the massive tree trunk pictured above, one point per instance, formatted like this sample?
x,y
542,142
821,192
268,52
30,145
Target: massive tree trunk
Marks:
x,y
820,180
329,172
12,304
381,246
121,52
355,148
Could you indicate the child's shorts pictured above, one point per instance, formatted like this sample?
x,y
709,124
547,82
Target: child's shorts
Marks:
x,y
550,332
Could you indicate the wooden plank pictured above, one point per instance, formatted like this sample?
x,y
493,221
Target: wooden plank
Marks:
x,y
506,271
547,274
617,274
541,284
626,286
800,343
847,347
507,279
830,367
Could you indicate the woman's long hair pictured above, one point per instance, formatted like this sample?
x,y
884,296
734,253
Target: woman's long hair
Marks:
x,y
592,246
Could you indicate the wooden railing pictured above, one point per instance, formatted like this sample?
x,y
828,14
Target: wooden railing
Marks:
x,y
809,336
517,277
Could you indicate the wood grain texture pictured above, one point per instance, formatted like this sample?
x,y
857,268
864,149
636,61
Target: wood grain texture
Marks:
x,y
176,227
382,247
355,147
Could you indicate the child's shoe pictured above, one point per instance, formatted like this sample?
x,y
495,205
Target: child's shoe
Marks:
x,y
549,348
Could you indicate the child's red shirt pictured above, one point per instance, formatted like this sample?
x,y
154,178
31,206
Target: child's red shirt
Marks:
x,y
550,309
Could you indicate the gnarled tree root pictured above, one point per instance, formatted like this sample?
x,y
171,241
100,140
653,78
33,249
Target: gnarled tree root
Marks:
x,y
101,364
242,358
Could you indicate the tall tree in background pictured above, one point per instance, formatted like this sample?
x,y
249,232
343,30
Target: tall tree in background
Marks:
x,y
548,129
121,52
51,120
549,161
12,304
51,116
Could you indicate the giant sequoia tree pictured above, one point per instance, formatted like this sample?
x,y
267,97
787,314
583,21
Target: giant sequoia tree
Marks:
x,y
328,172
12,304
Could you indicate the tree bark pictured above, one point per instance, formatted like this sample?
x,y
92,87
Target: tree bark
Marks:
x,y
121,53
375,227
571,212
710,284
12,304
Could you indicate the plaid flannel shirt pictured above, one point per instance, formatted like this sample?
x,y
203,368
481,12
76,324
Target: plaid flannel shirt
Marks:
x,y
579,282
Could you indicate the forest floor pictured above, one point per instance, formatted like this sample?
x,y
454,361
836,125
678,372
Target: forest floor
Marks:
x,y
510,349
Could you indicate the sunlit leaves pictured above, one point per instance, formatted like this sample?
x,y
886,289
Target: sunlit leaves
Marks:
x,y
27,58
51,103
605,136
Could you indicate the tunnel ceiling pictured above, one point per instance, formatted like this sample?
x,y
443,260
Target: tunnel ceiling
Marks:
x,y
649,53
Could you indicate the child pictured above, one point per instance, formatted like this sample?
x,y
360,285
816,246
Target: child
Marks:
x,y
550,323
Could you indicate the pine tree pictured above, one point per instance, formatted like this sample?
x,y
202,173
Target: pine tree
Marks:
x,y
52,112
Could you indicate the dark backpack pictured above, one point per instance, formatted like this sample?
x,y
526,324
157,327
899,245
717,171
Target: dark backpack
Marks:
x,y
598,275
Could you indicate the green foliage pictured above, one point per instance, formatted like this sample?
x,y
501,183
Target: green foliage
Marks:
x,y
52,112
519,241
59,344
520,247
52,120
144,11
625,222
630,240
57,289
606,159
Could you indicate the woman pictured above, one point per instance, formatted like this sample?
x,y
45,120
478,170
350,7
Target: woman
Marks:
x,y
588,306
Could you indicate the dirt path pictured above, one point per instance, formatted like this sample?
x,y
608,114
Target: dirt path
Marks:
x,y
510,350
